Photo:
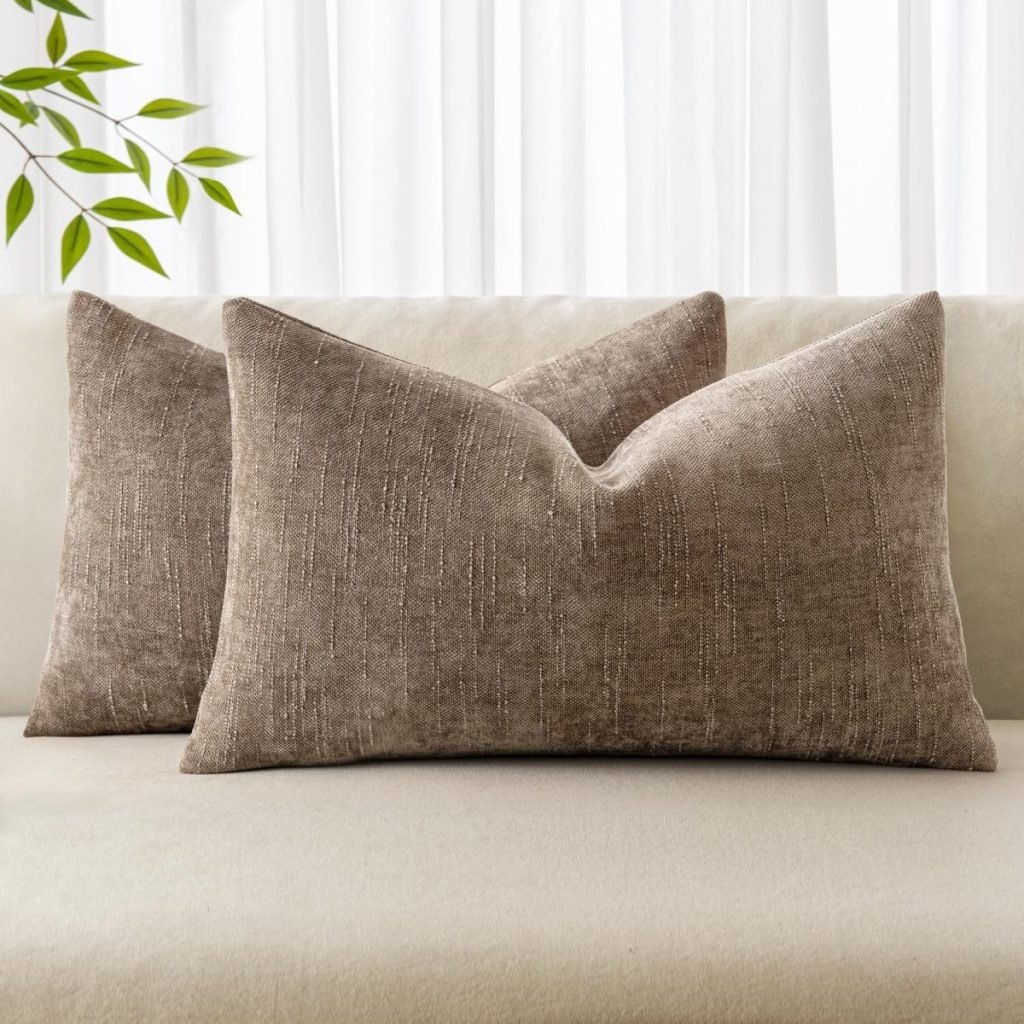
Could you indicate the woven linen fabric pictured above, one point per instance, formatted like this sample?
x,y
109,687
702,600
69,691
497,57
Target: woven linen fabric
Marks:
x,y
145,541
142,570
596,397
420,567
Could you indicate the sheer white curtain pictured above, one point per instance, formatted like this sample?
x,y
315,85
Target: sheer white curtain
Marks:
x,y
585,146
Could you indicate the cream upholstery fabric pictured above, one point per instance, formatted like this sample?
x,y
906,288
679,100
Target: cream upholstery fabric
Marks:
x,y
497,890
485,339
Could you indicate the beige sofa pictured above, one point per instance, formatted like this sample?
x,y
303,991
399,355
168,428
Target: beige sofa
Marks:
x,y
529,890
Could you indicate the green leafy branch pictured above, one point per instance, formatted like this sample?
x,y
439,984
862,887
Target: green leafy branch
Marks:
x,y
64,81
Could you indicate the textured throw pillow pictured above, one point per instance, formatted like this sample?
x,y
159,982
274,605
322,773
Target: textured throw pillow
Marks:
x,y
599,394
142,572
420,567
145,539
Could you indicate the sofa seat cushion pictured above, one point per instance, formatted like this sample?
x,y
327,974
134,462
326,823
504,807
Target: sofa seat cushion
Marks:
x,y
493,890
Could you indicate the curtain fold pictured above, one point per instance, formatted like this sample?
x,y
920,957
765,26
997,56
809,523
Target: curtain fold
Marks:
x,y
415,147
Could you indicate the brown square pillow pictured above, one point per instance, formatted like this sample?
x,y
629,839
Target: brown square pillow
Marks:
x,y
759,569
145,546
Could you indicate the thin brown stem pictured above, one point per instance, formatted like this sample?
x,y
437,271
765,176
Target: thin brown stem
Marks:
x,y
37,158
17,140
120,127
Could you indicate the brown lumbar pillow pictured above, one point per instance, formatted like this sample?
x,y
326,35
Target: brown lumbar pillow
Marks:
x,y
142,572
599,394
145,539
421,567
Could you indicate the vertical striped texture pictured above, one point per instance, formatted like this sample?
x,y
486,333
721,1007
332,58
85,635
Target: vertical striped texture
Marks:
x,y
599,394
145,542
420,567
142,572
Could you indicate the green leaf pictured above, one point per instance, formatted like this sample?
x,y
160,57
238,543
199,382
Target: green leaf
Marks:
x,y
34,78
97,60
64,126
92,161
177,192
139,159
167,108
135,247
123,208
27,4
10,104
77,87
74,243
19,204
57,40
64,7
219,193
33,111
210,156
